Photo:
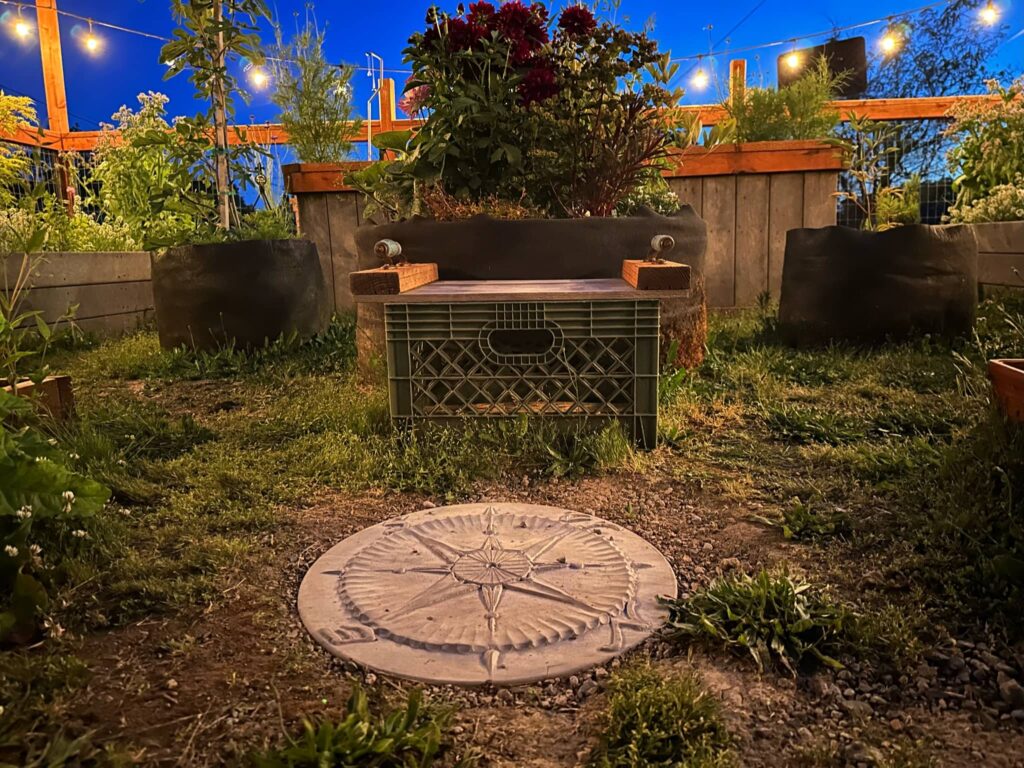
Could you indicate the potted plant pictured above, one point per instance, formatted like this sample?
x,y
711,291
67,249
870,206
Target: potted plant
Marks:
x,y
988,166
235,278
891,279
535,131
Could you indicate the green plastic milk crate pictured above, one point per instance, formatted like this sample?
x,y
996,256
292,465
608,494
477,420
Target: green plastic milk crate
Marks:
x,y
561,359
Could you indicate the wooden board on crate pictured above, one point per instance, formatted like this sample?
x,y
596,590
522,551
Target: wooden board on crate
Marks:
x,y
391,281
656,275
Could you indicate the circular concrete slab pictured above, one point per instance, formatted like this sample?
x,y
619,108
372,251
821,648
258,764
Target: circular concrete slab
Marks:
x,y
486,593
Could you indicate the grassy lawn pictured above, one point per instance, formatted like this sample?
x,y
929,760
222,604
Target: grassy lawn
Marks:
x,y
881,477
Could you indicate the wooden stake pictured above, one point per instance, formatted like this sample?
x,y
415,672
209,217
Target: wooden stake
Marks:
x,y
737,80
53,66
656,275
220,126
390,281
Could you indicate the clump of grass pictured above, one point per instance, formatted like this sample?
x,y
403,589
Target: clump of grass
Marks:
x,y
805,522
412,736
776,618
580,452
656,720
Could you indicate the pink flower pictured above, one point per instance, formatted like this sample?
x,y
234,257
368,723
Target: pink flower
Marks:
x,y
414,99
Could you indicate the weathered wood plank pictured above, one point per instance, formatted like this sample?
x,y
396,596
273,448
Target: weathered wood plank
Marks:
x,y
92,300
392,280
719,195
1000,237
656,276
756,157
1001,269
54,269
449,291
751,239
315,227
785,212
343,218
819,199
688,190
115,325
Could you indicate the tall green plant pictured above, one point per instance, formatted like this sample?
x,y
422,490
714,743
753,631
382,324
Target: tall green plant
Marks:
x,y
212,33
15,112
798,111
315,98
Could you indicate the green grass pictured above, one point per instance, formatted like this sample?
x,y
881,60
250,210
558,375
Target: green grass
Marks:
x,y
658,719
777,619
411,736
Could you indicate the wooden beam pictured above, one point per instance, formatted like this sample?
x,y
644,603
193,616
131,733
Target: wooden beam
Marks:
x,y
755,157
53,66
388,111
737,80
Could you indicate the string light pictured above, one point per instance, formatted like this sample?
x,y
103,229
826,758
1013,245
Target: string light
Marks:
x,y
891,41
91,42
258,78
21,27
700,80
989,14
793,60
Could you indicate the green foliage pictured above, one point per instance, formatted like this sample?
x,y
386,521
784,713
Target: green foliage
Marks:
x,y
989,154
661,720
315,98
212,34
137,179
45,514
1004,202
413,736
566,121
806,522
873,150
652,193
801,110
15,112
775,617
579,452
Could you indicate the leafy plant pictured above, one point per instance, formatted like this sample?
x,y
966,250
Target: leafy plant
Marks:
x,y
774,617
661,720
315,98
45,511
15,112
872,146
211,33
1004,202
413,736
801,110
989,154
565,117
802,521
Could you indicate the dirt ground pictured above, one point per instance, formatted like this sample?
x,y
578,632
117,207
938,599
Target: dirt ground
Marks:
x,y
204,690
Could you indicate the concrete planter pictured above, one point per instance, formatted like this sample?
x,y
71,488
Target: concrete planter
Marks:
x,y
843,284
1008,385
245,294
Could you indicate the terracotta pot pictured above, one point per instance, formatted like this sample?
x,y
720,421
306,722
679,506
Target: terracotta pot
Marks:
x,y
1008,384
246,293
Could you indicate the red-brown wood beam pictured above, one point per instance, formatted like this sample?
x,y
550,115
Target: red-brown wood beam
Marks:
x,y
53,66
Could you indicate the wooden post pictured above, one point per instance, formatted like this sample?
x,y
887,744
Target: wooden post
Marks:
x,y
220,125
737,80
386,98
53,83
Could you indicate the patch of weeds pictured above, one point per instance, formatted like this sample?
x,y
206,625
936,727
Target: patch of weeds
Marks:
x,y
799,425
580,451
776,618
805,522
661,720
140,357
412,736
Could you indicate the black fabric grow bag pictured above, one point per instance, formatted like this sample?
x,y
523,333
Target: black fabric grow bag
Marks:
x,y
245,293
843,284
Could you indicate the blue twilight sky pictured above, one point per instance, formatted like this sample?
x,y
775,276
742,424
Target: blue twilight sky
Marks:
x,y
127,64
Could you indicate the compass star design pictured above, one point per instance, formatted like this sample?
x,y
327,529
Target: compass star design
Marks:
x,y
506,584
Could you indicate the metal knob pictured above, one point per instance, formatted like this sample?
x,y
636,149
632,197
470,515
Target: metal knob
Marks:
x,y
389,251
660,244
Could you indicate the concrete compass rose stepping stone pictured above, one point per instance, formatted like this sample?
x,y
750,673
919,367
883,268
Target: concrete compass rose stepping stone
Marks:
x,y
486,593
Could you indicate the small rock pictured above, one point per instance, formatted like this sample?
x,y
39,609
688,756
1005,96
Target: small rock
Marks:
x,y
505,696
708,546
371,679
600,673
859,709
171,684
429,505
574,682
1018,715
1010,690
588,687
896,724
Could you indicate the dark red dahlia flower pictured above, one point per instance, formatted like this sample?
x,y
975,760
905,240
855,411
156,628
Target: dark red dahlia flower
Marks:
x,y
577,21
538,85
460,35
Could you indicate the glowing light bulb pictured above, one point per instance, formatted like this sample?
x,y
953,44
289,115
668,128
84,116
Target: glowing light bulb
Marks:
x,y
699,80
258,78
92,43
890,43
989,14
22,29
793,60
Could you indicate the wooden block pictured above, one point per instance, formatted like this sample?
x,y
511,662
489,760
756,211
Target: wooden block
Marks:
x,y
656,276
390,281
53,395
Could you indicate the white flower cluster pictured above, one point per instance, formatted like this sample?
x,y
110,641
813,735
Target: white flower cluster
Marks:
x,y
24,513
1004,202
69,500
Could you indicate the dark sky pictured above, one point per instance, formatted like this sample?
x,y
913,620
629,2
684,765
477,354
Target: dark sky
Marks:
x,y
127,64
